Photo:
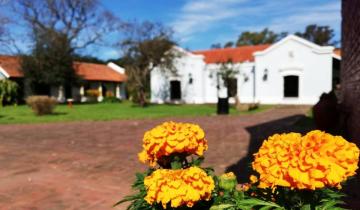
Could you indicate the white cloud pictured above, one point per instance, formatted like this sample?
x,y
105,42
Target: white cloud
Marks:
x,y
235,16
197,16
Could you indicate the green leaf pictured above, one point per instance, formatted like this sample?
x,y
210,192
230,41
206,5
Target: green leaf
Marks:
x,y
221,206
306,207
257,202
198,161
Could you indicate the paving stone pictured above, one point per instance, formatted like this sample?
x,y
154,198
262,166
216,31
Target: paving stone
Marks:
x,y
91,165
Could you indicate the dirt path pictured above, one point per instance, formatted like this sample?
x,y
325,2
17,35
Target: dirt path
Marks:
x,y
90,165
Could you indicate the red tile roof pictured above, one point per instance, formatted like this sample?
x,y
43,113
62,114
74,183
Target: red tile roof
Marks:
x,y
11,65
98,72
236,55
88,71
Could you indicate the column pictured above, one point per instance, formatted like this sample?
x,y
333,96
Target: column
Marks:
x,y
117,91
61,95
100,97
82,93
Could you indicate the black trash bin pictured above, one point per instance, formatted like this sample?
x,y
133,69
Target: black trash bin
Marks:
x,y
223,106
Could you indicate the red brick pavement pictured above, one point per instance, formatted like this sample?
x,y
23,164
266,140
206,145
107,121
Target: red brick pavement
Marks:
x,y
90,165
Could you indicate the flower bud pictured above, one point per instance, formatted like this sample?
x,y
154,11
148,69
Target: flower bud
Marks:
x,y
228,181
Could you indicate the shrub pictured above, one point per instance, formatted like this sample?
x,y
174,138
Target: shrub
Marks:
x,y
8,92
41,105
92,93
109,94
111,99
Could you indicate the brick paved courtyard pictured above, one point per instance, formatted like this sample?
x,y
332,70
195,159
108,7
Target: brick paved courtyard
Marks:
x,y
90,165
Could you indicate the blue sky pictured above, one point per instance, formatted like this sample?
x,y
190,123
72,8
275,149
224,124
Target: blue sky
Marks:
x,y
200,23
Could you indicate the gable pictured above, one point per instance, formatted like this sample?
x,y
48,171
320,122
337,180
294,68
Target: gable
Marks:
x,y
300,42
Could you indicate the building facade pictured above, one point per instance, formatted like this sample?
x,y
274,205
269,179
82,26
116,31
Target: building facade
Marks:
x,y
291,71
102,80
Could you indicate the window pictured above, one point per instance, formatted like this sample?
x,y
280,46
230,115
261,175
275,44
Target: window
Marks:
x,y
175,90
291,86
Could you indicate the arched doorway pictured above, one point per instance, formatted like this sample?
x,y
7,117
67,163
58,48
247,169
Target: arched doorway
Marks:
x,y
291,86
175,90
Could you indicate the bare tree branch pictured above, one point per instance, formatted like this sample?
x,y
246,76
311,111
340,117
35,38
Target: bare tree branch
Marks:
x,y
146,46
84,22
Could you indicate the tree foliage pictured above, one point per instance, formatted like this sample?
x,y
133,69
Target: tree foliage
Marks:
x,y
8,92
50,62
265,36
228,73
229,44
88,59
215,46
59,29
146,46
321,35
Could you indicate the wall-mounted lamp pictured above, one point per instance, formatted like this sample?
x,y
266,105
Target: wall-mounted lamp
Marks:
x,y
246,78
191,80
265,76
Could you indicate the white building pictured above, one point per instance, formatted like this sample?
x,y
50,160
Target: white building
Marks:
x,y
104,80
291,71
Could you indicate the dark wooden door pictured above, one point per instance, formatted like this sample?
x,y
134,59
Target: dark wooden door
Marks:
x,y
175,90
291,86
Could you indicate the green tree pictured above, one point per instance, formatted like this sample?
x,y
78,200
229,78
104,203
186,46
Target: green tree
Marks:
x,y
228,73
265,36
50,63
88,59
321,35
59,29
228,44
227,78
215,46
8,92
146,46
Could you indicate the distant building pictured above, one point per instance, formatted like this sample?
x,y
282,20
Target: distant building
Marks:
x,y
291,71
350,68
106,79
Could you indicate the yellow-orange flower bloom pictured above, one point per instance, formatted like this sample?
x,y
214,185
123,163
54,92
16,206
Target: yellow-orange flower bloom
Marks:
x,y
178,187
253,179
313,161
169,138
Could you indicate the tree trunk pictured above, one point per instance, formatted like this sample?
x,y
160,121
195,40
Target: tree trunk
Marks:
x,y
142,99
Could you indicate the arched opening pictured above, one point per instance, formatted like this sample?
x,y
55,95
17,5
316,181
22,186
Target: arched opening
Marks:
x,y
175,90
291,86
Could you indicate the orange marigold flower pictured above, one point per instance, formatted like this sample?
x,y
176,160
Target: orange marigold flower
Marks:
x,y
178,187
313,161
253,179
169,138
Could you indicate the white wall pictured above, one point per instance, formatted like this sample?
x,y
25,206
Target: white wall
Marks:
x,y
205,80
188,66
245,82
313,65
290,56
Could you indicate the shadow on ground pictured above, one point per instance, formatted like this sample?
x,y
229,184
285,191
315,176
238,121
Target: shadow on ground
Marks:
x,y
260,132
296,123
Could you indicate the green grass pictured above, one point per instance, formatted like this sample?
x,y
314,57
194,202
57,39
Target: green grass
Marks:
x,y
109,111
